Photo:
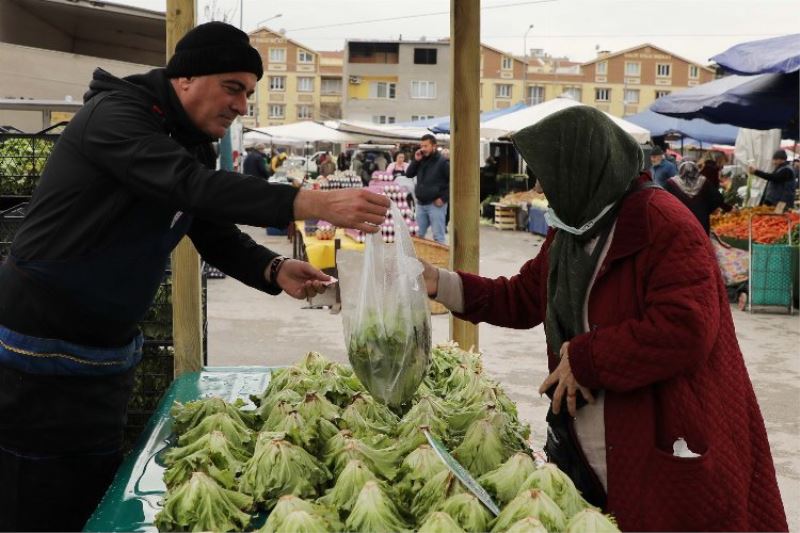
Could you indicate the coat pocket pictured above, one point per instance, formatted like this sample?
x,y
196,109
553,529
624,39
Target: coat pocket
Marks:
x,y
683,493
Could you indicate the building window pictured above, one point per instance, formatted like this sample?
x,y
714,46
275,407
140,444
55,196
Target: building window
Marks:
x,y
631,96
661,94
415,118
602,95
535,95
305,111
277,55
277,111
508,63
304,57
277,83
251,109
383,89
425,56
694,72
305,84
633,69
382,119
502,90
331,86
663,70
423,89
573,92
602,68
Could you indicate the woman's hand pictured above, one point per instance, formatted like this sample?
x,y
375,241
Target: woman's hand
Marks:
x,y
566,384
300,280
431,276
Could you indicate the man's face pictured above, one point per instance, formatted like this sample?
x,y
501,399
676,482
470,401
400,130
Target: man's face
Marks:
x,y
777,162
656,159
214,101
427,147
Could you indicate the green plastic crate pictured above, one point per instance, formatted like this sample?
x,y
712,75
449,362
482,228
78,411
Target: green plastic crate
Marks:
x,y
771,275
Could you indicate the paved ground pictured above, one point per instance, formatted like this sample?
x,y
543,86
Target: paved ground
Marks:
x,y
247,327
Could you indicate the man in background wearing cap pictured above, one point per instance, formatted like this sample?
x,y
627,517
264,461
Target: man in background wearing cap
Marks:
x,y
130,176
782,181
663,169
255,164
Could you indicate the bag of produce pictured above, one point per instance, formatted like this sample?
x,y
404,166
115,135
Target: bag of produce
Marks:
x,y
386,317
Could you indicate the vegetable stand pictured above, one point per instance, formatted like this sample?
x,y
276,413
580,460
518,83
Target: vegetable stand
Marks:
x,y
133,499
771,268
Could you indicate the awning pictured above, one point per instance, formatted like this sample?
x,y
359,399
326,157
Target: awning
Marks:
x,y
775,55
696,130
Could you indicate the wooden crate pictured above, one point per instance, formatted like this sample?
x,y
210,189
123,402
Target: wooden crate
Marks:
x,y
437,255
505,217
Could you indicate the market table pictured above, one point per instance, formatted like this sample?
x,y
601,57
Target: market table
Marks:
x,y
321,254
135,495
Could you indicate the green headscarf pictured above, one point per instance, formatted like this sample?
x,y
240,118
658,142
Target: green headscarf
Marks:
x,y
585,164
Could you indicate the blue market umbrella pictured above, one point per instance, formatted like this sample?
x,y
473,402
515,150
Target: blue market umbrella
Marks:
x,y
762,102
775,55
695,129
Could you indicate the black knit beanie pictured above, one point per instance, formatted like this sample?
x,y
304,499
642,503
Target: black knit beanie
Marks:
x,y
214,48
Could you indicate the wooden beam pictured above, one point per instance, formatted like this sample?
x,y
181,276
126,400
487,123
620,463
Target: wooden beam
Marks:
x,y
465,50
187,312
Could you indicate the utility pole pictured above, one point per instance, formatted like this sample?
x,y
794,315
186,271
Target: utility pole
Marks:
x,y
525,67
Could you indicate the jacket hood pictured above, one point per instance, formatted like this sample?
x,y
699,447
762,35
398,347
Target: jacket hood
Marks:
x,y
153,89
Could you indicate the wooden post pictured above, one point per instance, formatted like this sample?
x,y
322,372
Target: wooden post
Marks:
x,y
187,314
465,49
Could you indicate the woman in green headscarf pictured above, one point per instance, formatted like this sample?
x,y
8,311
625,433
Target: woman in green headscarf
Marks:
x,y
641,346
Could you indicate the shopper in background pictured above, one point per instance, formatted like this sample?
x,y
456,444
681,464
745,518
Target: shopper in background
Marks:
x,y
380,162
277,161
782,181
343,161
653,414
131,175
697,192
662,168
326,165
399,166
433,187
255,164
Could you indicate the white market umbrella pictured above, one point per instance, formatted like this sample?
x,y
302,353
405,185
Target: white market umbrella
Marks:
x,y
299,133
505,125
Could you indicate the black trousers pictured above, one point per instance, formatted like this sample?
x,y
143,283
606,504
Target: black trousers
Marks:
x,y
60,446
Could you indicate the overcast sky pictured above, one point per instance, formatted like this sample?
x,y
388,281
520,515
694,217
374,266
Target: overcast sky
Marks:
x,y
695,29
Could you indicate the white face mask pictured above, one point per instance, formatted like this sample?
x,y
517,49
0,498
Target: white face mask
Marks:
x,y
555,222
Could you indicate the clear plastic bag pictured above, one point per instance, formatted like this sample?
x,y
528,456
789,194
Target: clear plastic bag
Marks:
x,y
386,318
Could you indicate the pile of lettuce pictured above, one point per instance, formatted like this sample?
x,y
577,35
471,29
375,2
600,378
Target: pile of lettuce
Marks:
x,y
317,452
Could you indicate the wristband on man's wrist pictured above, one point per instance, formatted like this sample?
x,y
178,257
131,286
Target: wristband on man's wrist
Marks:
x,y
274,268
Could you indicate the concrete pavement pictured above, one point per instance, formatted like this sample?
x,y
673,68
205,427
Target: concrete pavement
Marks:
x,y
250,328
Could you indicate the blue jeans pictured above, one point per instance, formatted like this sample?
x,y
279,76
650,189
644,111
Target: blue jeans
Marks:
x,y
430,215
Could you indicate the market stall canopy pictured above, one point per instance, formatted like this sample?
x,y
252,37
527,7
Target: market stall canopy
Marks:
x,y
443,124
775,55
298,133
698,130
382,133
505,125
763,102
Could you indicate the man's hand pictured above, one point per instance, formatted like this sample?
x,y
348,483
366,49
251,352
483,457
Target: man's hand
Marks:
x,y
751,169
438,202
300,280
347,208
431,276
566,384
418,155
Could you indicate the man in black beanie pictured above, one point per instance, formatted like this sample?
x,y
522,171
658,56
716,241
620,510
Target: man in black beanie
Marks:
x,y
132,174
782,181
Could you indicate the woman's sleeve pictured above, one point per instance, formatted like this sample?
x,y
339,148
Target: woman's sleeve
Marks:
x,y
681,317
517,302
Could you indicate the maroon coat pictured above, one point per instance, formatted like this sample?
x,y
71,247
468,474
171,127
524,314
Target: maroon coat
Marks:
x,y
662,345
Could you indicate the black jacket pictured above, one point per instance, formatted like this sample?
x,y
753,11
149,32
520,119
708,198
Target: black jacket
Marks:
x,y
781,186
127,179
255,164
433,178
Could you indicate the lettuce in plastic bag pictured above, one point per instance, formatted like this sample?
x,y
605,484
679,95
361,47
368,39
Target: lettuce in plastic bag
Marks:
x,y
505,482
440,523
374,511
533,503
468,511
591,519
558,486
